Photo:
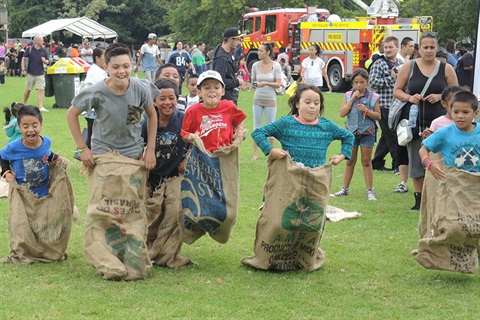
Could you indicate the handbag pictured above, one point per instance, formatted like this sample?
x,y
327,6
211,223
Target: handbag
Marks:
x,y
404,132
396,106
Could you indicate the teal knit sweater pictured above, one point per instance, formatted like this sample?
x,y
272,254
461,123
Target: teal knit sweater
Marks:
x,y
307,144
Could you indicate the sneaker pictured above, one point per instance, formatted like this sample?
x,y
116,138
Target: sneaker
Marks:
x,y
401,188
396,172
371,195
43,109
343,192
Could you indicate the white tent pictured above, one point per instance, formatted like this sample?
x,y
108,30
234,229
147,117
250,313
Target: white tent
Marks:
x,y
83,27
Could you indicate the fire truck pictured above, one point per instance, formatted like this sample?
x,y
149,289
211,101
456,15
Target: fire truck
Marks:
x,y
346,43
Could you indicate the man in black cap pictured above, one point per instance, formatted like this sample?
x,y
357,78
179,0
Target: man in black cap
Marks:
x,y
224,63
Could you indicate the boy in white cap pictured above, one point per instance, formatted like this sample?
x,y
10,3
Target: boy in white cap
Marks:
x,y
149,55
214,120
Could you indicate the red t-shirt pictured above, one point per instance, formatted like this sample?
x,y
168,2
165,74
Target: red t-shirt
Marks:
x,y
215,126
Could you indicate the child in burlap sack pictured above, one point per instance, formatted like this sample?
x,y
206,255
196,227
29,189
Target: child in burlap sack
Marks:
x,y
430,184
453,236
116,227
211,182
163,201
298,184
39,226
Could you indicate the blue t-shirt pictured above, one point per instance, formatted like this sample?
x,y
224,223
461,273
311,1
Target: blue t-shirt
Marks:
x,y
459,149
29,165
35,64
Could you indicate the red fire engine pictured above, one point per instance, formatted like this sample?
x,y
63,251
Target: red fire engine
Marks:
x,y
346,44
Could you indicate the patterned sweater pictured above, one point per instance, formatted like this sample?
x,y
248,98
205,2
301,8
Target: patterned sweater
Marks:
x,y
306,143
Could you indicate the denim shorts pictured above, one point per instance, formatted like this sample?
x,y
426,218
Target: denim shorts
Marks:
x,y
364,141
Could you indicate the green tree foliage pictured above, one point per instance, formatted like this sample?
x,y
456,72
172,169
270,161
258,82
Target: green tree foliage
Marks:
x,y
452,19
205,20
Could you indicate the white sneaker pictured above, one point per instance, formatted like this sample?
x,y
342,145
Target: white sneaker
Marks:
x,y
401,188
371,195
343,192
43,109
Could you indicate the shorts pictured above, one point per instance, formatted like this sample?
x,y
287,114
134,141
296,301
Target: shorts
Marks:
x,y
415,166
364,141
37,81
402,156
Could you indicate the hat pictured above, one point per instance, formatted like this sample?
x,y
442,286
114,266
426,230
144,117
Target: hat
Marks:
x,y
60,43
152,35
30,43
232,32
210,74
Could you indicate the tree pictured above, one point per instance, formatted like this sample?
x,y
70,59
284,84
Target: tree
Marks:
x,y
452,19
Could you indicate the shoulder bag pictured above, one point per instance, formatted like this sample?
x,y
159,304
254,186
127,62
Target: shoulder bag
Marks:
x,y
396,106
404,132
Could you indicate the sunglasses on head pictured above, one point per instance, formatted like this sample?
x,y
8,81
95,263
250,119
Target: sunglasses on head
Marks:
x,y
429,35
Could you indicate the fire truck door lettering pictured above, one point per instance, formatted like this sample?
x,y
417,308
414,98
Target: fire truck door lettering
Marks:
x,y
335,36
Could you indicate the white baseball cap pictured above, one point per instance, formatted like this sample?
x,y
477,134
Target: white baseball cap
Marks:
x,y
152,35
210,74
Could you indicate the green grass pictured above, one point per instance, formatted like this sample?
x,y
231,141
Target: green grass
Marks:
x,y
368,273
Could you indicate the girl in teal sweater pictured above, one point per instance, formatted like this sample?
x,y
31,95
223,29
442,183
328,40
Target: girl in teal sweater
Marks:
x,y
304,133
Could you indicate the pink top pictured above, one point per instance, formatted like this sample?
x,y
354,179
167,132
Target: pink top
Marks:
x,y
440,122
305,122
2,51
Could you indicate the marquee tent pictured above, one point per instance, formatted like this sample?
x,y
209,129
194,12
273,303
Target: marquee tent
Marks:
x,y
83,27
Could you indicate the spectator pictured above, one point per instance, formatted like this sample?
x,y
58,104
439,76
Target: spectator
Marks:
x,y
60,52
149,55
464,70
429,105
209,58
452,57
198,58
37,56
87,53
3,51
266,77
224,64
74,51
314,68
182,60
382,80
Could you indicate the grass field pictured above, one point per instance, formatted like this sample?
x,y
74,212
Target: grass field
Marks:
x,y
368,273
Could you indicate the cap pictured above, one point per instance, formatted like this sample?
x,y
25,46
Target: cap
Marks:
x,y
210,74
60,43
152,35
232,32
30,43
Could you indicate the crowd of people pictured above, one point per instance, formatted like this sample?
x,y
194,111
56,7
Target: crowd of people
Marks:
x,y
160,125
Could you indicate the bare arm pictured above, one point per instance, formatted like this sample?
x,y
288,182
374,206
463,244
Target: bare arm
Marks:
x,y
74,124
139,62
150,160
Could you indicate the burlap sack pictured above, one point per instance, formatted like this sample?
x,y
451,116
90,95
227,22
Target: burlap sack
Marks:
x,y
210,189
455,225
164,218
116,223
427,206
3,188
40,228
291,225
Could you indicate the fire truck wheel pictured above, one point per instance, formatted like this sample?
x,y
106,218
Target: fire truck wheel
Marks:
x,y
250,65
335,76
